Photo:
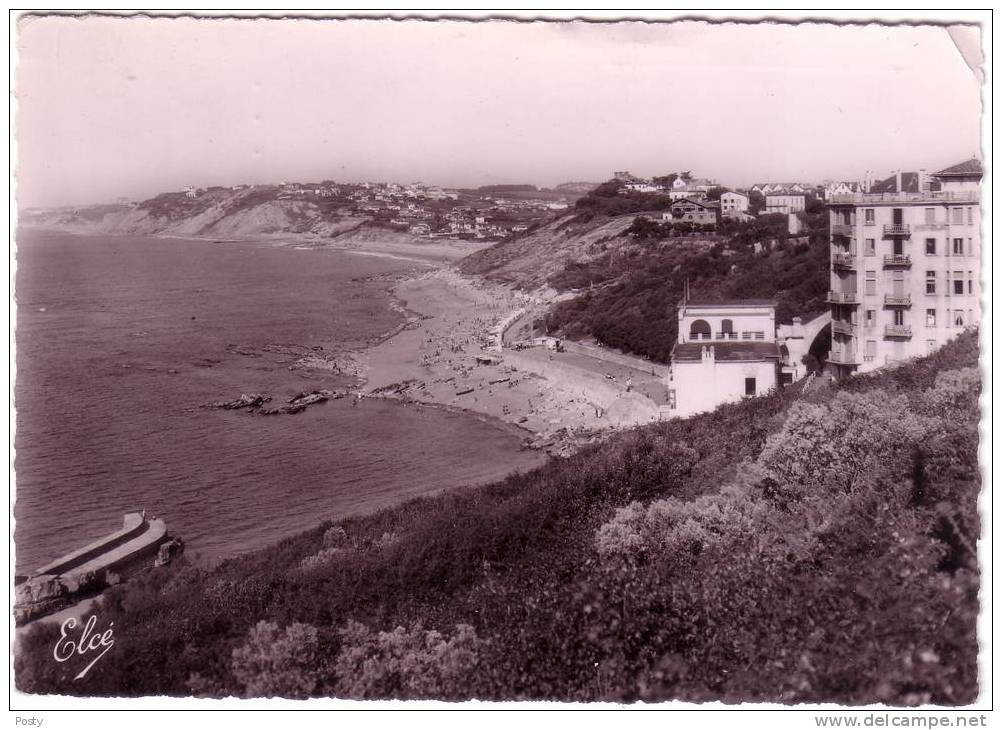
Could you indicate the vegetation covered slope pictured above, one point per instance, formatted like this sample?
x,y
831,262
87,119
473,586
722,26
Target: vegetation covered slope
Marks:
x,y
796,548
628,298
627,273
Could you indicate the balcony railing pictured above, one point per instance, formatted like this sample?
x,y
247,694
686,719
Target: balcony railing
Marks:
x,y
841,229
843,357
897,229
843,328
838,297
898,331
726,335
959,196
898,260
844,260
897,300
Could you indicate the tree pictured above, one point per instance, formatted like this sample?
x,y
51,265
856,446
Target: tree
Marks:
x,y
716,191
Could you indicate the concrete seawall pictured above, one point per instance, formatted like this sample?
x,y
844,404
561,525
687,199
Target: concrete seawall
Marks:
x,y
617,358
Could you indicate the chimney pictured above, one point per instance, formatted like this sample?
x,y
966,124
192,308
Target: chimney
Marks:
x,y
897,181
923,181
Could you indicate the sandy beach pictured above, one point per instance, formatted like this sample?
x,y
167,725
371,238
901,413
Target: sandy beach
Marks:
x,y
447,354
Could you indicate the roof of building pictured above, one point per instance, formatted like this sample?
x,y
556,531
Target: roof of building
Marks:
x,y
909,184
726,351
717,303
784,191
733,192
967,167
693,201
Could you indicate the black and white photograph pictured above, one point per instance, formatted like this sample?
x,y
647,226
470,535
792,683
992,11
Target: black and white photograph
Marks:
x,y
491,361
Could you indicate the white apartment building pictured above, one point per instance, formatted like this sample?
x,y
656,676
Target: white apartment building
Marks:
x,y
785,202
725,351
732,204
905,267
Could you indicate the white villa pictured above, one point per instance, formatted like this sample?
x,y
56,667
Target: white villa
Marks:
x,y
725,351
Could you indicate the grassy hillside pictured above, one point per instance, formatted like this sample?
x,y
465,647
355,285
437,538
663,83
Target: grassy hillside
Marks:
x,y
629,297
628,274
823,550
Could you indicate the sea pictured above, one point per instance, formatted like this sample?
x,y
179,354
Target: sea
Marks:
x,y
122,341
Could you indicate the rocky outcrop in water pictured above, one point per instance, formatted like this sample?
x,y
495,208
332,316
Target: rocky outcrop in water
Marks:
x,y
255,402
251,401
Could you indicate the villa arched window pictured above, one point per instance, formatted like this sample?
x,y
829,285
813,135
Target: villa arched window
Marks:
x,y
699,330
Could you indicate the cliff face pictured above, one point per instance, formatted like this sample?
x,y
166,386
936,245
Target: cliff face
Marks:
x,y
532,260
216,212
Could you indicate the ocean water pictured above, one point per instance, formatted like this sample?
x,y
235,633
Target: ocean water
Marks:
x,y
121,340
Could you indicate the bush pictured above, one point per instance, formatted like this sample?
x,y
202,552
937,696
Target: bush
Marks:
x,y
824,449
273,663
406,663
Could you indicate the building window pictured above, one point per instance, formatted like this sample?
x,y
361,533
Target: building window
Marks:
x,y
930,318
958,246
930,282
930,345
958,282
868,216
958,215
871,283
958,318
869,247
970,282
749,386
930,216
871,350
700,329
899,317
970,215
930,247
871,317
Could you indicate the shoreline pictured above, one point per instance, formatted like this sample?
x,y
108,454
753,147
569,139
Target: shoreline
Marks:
x,y
450,351
360,241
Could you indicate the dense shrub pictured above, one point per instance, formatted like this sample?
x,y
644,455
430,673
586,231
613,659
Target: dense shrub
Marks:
x,y
406,663
847,586
274,663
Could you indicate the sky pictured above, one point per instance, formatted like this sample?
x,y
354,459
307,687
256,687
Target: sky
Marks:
x,y
109,107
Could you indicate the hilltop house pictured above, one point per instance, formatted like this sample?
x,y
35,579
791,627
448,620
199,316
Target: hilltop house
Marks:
x,y
725,351
642,186
732,204
691,211
692,189
842,188
785,201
